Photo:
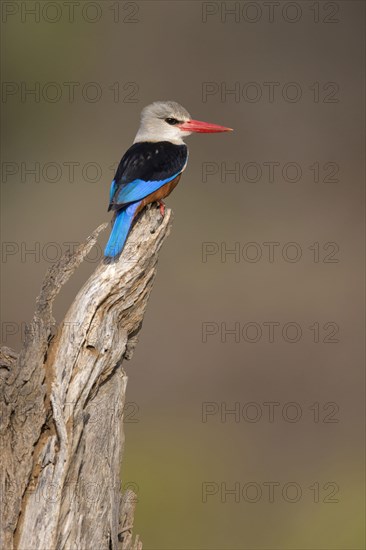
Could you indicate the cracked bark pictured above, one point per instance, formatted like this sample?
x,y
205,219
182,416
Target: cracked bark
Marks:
x,y
62,400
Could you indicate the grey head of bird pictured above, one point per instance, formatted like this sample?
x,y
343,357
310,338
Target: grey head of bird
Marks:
x,y
169,121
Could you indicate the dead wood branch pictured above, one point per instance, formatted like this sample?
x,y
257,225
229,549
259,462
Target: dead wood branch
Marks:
x,y
62,403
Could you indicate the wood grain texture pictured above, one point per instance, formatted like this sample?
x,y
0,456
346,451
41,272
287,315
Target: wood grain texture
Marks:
x,y
62,402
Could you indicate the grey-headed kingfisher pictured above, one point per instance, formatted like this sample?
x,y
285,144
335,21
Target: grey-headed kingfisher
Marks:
x,y
152,166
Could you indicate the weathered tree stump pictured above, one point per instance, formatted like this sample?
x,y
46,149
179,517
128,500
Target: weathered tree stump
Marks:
x,y
62,404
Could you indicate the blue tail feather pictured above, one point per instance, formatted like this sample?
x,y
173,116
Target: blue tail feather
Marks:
x,y
120,230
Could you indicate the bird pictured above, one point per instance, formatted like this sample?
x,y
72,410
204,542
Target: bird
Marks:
x,y
152,167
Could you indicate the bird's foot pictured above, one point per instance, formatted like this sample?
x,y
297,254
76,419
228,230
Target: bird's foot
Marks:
x,y
161,208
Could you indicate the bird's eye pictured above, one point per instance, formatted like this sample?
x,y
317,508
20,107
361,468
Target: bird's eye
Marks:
x,y
172,121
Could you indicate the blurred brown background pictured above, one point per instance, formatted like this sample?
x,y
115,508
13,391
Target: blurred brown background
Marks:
x,y
292,455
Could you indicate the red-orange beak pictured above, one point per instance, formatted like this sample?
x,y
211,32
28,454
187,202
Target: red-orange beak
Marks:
x,y
202,127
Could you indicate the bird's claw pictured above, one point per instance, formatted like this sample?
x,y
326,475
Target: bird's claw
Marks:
x,y
162,208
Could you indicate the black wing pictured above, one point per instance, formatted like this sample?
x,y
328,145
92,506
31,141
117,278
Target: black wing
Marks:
x,y
144,168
